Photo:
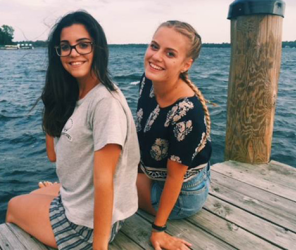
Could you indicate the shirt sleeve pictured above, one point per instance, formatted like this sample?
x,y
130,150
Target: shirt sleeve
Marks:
x,y
109,123
187,130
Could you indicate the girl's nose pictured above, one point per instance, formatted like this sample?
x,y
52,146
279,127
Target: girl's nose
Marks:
x,y
157,55
74,53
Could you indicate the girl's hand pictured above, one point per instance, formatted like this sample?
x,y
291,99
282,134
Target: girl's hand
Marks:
x,y
162,240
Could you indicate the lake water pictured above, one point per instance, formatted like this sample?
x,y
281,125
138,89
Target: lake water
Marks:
x,y
23,161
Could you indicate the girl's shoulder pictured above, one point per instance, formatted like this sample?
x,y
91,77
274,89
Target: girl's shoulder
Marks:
x,y
113,98
98,97
102,92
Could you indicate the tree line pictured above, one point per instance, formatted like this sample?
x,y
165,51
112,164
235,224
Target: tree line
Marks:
x,y
285,44
40,43
6,37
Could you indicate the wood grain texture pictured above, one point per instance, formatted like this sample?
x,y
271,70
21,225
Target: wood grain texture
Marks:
x,y
270,235
221,227
28,241
199,239
266,205
12,238
122,242
252,90
8,241
138,230
260,189
269,177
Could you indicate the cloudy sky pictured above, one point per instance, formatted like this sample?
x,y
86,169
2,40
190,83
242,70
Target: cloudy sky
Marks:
x,y
129,21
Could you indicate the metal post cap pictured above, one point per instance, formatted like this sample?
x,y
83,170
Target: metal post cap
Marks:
x,y
254,7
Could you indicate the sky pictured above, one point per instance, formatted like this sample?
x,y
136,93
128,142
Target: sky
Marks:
x,y
130,21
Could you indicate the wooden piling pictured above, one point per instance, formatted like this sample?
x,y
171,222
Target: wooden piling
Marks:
x,y
256,45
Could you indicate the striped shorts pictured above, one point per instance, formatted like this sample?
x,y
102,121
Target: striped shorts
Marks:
x,y
69,235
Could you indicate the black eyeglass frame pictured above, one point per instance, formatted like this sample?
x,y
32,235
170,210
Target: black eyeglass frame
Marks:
x,y
74,47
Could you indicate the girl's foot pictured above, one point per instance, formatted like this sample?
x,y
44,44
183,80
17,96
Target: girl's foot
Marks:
x,y
43,184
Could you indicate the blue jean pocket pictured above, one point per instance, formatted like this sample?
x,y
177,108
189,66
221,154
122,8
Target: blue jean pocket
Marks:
x,y
190,200
192,197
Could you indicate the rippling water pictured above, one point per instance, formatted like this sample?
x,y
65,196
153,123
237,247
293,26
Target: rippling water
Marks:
x,y
23,159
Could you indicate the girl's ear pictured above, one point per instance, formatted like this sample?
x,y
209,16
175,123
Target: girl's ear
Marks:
x,y
187,64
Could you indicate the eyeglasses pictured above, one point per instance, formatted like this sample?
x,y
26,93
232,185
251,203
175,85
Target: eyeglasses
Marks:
x,y
82,48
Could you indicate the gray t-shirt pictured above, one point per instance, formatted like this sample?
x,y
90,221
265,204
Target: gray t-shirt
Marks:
x,y
100,118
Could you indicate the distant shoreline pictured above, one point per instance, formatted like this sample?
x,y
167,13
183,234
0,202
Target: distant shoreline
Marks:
x,y
40,44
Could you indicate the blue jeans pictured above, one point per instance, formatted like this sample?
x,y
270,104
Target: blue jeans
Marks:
x,y
192,197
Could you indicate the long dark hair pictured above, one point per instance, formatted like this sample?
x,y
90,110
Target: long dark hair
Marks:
x,y
61,90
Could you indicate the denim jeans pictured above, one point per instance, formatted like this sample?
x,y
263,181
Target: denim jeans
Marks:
x,y
192,197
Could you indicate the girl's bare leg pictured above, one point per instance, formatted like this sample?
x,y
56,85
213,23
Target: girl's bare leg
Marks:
x,y
31,213
144,185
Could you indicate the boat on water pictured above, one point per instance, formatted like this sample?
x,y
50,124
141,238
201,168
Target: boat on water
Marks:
x,y
10,47
17,46
26,46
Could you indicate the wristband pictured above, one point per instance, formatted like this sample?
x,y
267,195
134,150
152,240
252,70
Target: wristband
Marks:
x,y
158,228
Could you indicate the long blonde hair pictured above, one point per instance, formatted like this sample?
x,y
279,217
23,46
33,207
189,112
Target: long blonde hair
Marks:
x,y
195,45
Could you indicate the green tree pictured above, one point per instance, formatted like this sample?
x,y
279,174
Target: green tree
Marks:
x,y
6,35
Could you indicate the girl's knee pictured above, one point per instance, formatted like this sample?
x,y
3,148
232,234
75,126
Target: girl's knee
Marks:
x,y
11,208
14,207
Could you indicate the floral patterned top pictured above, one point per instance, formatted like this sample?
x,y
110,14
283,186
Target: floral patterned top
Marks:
x,y
175,132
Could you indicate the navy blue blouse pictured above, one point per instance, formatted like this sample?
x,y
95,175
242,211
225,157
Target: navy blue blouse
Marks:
x,y
176,132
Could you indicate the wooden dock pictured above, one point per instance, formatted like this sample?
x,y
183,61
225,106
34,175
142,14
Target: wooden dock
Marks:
x,y
249,207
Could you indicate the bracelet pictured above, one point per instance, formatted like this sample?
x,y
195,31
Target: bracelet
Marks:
x,y
158,228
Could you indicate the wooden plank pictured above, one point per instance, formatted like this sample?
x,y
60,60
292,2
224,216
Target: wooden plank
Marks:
x,y
138,229
254,194
269,177
195,235
122,242
283,169
27,240
264,204
229,232
8,241
259,227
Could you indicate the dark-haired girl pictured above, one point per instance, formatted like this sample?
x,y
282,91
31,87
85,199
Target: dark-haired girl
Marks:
x,y
91,135
173,125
